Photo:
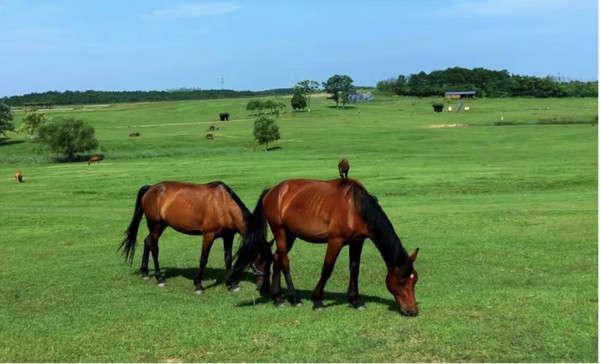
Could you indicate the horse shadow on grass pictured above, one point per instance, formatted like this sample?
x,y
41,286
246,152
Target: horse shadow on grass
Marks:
x,y
217,275
330,299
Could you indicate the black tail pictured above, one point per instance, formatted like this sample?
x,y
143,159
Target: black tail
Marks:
x,y
252,243
128,244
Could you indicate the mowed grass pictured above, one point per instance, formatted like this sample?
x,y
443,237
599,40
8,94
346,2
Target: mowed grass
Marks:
x,y
505,216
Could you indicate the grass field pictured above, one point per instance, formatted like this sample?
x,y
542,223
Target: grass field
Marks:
x,y
506,218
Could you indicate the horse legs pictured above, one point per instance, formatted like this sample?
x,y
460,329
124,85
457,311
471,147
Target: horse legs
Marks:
x,y
276,281
145,256
151,243
281,263
355,253
333,250
207,241
227,251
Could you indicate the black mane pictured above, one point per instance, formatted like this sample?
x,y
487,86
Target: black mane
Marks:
x,y
245,212
383,234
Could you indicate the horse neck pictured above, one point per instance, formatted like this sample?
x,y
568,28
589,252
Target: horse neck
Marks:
x,y
381,231
391,249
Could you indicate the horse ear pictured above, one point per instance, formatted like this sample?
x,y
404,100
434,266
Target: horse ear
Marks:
x,y
413,257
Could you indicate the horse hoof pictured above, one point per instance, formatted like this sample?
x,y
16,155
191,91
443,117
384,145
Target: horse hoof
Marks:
x,y
161,285
145,278
318,308
236,289
199,292
363,307
299,304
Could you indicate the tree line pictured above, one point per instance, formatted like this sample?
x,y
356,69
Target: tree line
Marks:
x,y
486,83
109,97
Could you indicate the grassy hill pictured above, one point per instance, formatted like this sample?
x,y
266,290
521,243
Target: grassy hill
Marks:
x,y
505,216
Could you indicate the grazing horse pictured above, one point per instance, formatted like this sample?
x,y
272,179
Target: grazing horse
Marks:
x,y
134,134
212,210
209,136
338,212
212,127
343,168
95,158
19,176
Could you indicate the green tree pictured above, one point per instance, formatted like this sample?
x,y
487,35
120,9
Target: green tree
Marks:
x,y
265,131
306,88
31,122
6,118
339,87
254,106
67,136
298,101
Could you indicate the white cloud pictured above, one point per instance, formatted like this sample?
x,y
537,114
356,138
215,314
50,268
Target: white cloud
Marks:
x,y
192,11
510,7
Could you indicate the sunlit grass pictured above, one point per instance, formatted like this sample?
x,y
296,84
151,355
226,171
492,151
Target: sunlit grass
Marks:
x,y
505,216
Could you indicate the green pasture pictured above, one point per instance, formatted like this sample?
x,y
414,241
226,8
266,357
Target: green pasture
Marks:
x,y
506,218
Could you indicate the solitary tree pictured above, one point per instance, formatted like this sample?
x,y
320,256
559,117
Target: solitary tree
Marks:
x,y
31,122
265,131
339,87
67,136
6,118
298,101
306,88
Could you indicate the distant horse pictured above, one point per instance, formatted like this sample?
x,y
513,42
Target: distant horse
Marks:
x,y
19,176
212,210
134,134
209,136
338,212
212,127
343,168
95,158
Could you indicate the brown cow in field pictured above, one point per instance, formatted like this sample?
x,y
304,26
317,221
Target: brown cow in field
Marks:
x,y
95,158
343,168
209,136
19,176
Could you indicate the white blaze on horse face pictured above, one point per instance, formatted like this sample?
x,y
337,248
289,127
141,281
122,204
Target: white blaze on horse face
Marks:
x,y
412,276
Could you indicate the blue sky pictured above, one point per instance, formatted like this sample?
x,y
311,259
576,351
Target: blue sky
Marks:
x,y
117,45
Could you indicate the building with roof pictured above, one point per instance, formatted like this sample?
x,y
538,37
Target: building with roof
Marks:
x,y
459,94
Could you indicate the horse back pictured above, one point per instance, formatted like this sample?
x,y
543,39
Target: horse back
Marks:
x,y
315,210
192,208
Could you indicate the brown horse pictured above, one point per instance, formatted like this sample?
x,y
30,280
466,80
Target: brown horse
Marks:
x,y
338,212
19,176
209,136
343,168
212,210
96,158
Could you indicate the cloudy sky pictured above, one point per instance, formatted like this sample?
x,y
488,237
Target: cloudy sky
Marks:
x,y
117,45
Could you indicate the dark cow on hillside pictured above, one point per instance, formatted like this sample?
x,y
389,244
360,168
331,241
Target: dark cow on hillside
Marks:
x,y
212,127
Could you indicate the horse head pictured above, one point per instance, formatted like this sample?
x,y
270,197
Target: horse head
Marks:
x,y
262,267
402,286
